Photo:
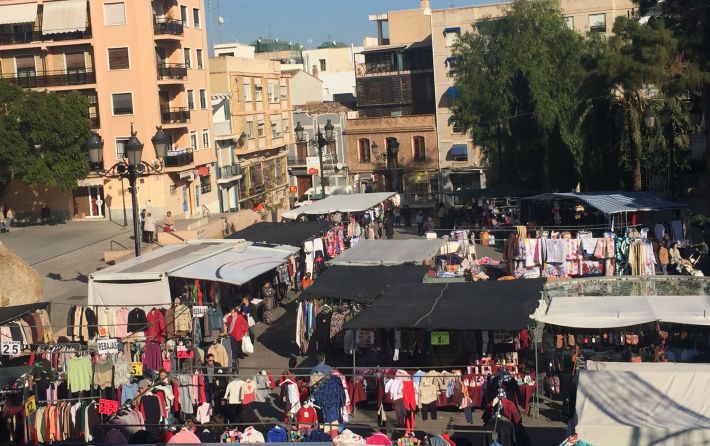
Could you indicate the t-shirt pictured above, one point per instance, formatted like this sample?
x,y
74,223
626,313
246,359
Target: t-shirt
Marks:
x,y
79,374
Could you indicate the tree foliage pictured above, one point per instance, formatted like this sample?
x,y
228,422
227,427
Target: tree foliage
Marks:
x,y
42,134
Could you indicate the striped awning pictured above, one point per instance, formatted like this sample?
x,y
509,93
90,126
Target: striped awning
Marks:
x,y
64,16
22,13
614,202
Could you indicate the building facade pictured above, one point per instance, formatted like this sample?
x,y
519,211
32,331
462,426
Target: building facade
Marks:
x,y
335,66
141,65
260,129
413,167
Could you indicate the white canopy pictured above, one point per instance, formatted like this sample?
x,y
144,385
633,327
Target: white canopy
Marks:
x,y
646,366
340,203
22,13
389,252
237,265
623,311
660,406
144,293
64,16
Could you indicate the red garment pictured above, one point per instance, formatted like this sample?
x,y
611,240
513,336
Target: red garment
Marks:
x,y
202,396
156,326
161,399
271,380
199,292
379,439
524,338
239,328
308,416
510,410
410,399
176,397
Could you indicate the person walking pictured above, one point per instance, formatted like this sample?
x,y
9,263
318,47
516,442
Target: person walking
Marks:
x,y
269,295
169,222
407,214
237,328
420,223
663,258
396,214
143,225
149,228
389,227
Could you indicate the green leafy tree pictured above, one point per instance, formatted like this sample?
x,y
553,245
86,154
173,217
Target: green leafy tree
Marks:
x,y
624,76
41,136
517,78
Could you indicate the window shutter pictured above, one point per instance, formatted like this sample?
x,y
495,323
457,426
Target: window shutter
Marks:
x,y
114,14
75,60
25,62
118,59
122,103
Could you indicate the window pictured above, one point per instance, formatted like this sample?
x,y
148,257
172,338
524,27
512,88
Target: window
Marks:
x,y
260,129
455,128
284,92
203,99
364,150
191,99
249,130
274,130
122,103
322,64
205,138
26,72
286,125
200,60
205,184
76,68
114,14
227,110
196,17
247,91
275,126
118,58
193,140
597,23
183,16
257,93
272,92
451,38
569,21
419,148
120,147
188,60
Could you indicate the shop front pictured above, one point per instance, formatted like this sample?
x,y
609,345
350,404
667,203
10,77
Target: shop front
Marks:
x,y
89,200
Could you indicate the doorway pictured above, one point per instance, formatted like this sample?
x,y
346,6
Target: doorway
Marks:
x,y
89,202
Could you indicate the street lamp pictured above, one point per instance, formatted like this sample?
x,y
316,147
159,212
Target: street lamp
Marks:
x,y
131,167
667,120
649,118
318,141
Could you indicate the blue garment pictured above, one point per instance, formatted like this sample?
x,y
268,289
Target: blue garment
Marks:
x,y
322,368
330,396
318,436
276,434
128,392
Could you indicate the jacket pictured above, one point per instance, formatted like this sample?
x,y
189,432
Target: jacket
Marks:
x,y
136,320
183,319
330,396
239,328
220,353
663,257
149,224
156,325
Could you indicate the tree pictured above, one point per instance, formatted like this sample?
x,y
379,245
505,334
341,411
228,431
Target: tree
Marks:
x,y
517,79
42,134
624,73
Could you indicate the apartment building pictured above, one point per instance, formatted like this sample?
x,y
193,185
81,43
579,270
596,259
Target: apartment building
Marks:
x,y
334,64
142,65
259,130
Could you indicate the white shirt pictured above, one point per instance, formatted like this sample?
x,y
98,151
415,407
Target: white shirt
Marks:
x,y
394,388
234,392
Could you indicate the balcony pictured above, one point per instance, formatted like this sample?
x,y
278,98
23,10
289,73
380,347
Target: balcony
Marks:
x,y
29,36
229,171
179,159
169,27
373,69
175,115
31,79
167,71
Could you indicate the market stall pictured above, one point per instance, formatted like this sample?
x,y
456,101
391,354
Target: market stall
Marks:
x,y
634,404
391,252
293,234
352,203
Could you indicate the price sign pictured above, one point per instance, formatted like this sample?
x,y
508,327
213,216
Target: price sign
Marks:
x,y
365,337
105,346
199,310
108,407
31,405
439,338
136,369
11,347
184,354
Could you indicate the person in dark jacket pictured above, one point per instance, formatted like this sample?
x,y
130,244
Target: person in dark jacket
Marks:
x,y
389,227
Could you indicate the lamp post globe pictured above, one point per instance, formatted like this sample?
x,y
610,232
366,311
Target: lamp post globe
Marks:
x,y
649,118
161,143
134,150
95,146
328,130
299,132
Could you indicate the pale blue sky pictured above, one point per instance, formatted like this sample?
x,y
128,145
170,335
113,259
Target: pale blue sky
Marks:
x,y
309,22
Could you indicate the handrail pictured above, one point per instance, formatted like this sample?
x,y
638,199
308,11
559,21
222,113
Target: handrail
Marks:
x,y
117,243
170,232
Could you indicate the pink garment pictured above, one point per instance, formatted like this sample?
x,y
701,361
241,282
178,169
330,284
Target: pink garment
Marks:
x,y
121,328
379,439
184,437
195,388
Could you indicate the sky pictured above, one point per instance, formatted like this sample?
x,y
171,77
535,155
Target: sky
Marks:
x,y
309,22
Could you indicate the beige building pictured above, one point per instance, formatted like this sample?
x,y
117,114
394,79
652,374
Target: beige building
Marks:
x,y
141,64
261,127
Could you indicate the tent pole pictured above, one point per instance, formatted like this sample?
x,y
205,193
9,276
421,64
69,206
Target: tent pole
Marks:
x,y
537,381
354,351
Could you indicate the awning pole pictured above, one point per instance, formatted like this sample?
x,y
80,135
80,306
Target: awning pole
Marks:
x,y
354,351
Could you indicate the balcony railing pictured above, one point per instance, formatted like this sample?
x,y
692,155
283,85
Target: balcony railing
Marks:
x,y
28,36
230,171
179,159
51,78
168,26
176,115
172,71
363,69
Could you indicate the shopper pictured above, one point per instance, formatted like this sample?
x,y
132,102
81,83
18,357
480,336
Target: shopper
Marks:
x,y
237,327
420,223
149,227
663,259
143,212
168,222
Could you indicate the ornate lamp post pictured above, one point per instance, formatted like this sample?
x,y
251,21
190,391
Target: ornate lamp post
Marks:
x,y
319,142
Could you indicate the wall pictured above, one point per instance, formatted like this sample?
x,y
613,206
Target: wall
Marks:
x,y
408,26
237,50
342,83
28,201
305,88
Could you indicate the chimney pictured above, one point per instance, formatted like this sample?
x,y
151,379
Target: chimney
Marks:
x,y
424,4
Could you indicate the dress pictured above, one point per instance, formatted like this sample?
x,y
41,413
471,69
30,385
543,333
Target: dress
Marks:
x,y
269,296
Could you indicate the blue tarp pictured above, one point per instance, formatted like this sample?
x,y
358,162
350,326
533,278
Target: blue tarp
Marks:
x,y
452,92
459,150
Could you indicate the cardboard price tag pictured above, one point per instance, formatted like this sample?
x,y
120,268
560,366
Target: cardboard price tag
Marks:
x,y
31,405
185,354
108,407
105,346
199,311
439,338
11,347
136,369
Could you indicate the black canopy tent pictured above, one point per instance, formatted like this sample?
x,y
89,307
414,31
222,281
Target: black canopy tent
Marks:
x,y
362,284
491,305
293,234
9,314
